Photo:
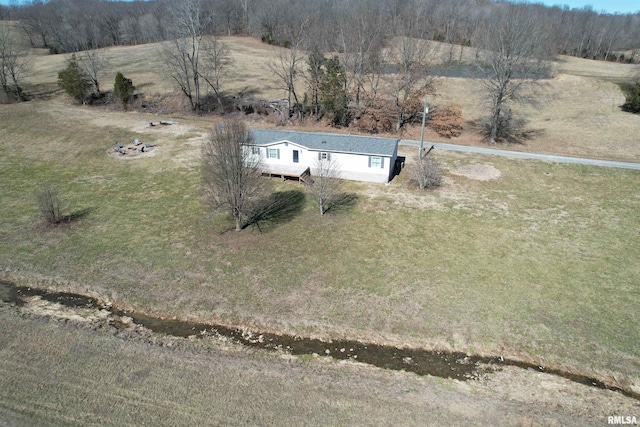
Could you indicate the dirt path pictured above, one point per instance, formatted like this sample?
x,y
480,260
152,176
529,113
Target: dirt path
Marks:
x,y
67,367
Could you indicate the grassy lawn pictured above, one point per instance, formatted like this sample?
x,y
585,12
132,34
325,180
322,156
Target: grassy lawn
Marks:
x,y
542,261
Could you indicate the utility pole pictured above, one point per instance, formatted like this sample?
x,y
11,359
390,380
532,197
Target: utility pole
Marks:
x,y
424,117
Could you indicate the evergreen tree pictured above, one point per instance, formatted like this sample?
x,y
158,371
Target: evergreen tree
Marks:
x,y
333,93
74,81
123,89
632,98
315,63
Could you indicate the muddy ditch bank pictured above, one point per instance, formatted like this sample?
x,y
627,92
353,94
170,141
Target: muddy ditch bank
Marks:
x,y
444,364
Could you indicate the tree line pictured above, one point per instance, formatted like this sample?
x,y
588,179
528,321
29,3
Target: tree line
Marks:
x,y
331,25
365,63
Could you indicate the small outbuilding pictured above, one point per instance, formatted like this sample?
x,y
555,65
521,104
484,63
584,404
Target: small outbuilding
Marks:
x,y
358,158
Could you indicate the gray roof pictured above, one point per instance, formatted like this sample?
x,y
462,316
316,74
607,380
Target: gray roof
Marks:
x,y
330,142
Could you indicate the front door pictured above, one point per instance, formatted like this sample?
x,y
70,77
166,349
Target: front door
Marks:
x,y
295,156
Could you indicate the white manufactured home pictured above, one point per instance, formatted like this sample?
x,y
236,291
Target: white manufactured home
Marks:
x,y
358,158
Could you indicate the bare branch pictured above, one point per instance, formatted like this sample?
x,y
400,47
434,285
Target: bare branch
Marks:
x,y
425,172
92,61
50,205
326,185
182,56
288,66
411,59
231,173
514,57
15,64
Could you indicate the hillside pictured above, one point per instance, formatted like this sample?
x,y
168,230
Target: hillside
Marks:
x,y
531,261
575,113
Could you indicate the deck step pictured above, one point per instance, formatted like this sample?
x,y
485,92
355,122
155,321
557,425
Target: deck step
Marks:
x,y
306,177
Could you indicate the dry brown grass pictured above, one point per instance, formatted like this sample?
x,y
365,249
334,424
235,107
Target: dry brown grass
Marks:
x,y
576,113
538,233
143,65
62,370
403,266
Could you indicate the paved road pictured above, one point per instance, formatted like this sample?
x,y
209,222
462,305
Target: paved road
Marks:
x,y
522,155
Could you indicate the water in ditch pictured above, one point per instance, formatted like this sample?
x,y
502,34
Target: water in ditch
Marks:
x,y
444,364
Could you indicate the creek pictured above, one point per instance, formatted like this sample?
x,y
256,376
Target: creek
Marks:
x,y
444,364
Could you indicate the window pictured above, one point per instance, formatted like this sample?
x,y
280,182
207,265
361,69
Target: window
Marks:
x,y
273,153
255,150
375,162
324,156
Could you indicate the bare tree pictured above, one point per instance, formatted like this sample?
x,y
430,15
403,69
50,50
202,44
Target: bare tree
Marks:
x,y
194,60
244,4
4,12
514,57
37,23
354,28
178,67
109,19
288,66
91,61
314,75
360,39
425,172
66,27
49,204
217,63
287,69
149,29
411,82
231,173
326,185
182,54
14,64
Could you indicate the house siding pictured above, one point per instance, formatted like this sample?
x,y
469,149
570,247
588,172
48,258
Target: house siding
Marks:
x,y
356,167
286,154
352,166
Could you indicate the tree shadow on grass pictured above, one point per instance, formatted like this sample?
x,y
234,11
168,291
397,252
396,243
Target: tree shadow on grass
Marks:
x,y
278,208
78,214
52,209
343,202
64,220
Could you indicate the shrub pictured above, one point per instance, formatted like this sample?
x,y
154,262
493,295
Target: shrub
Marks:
x,y
426,172
447,120
49,204
374,120
123,89
632,97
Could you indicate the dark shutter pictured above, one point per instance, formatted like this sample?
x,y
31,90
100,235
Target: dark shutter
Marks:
x,y
319,156
278,151
328,156
382,162
369,161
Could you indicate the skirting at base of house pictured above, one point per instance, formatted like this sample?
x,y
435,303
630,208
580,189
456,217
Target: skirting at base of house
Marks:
x,y
361,176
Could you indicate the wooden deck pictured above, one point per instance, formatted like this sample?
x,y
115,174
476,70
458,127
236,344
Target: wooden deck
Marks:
x,y
301,173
